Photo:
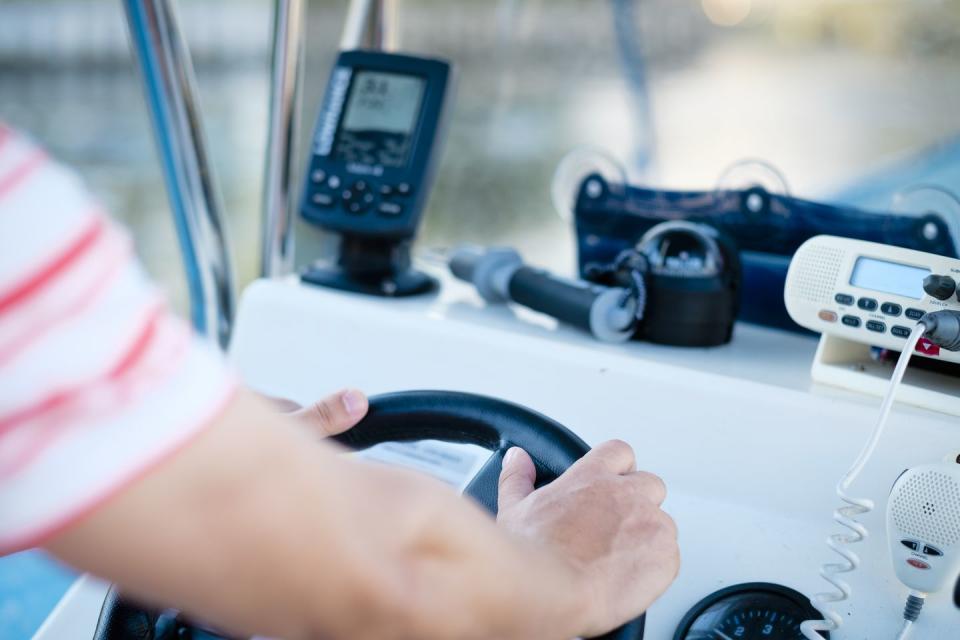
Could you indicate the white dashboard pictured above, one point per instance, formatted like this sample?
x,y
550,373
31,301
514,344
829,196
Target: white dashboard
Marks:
x,y
750,449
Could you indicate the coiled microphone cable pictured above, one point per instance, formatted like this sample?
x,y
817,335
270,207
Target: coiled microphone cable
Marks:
x,y
943,329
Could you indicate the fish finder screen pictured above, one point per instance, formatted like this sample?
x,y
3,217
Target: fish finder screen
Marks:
x,y
889,277
380,118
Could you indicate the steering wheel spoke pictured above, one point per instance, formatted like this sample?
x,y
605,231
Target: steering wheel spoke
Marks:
x,y
483,488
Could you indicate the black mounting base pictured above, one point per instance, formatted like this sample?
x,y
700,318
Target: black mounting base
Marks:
x,y
373,267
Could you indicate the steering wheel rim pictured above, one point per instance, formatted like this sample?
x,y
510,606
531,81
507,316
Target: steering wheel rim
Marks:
x,y
462,418
491,423
449,416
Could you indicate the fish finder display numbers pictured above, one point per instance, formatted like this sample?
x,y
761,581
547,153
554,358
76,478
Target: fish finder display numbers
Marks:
x,y
380,118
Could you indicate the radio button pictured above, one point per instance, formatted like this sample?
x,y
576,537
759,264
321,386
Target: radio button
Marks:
x,y
900,331
867,304
827,316
850,321
932,551
875,325
891,308
914,314
909,544
843,298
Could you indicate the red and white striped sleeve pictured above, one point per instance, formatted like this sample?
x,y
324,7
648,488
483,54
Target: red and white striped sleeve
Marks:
x,y
99,382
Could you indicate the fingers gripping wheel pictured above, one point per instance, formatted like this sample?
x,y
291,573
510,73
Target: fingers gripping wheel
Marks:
x,y
490,423
493,424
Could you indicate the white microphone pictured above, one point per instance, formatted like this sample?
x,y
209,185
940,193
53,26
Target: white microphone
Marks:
x,y
923,526
923,530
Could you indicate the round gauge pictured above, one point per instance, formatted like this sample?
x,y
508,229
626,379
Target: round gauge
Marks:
x,y
752,611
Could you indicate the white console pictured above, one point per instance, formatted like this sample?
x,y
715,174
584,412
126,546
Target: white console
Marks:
x,y
750,449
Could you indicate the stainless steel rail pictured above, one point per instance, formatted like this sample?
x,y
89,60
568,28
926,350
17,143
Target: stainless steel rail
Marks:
x,y
371,24
171,97
279,179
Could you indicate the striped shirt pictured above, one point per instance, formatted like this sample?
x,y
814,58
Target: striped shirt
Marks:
x,y
99,382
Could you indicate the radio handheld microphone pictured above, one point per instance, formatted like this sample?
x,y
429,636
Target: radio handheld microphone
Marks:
x,y
499,274
923,530
923,526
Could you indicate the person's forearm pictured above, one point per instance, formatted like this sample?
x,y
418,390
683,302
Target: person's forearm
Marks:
x,y
259,528
473,581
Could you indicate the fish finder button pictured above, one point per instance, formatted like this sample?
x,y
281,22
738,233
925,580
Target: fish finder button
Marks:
x,y
390,209
321,200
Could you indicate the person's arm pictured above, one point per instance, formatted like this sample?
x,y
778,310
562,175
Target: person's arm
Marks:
x,y
126,449
260,528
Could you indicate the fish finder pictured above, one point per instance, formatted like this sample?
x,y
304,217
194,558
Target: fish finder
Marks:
x,y
372,163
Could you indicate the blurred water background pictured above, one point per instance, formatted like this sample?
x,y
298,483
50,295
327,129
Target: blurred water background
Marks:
x,y
849,99
826,90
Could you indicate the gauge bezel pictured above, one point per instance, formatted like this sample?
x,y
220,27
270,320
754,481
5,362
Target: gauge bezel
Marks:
x,y
762,588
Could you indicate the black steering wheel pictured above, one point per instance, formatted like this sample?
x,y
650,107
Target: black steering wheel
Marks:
x,y
493,424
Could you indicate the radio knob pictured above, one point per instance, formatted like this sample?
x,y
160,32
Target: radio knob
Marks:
x,y
940,287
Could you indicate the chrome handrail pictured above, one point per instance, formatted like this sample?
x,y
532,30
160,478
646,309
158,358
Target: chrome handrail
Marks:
x,y
371,24
279,179
169,84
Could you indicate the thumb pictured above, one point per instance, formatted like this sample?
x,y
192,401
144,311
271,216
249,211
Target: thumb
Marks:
x,y
516,478
334,414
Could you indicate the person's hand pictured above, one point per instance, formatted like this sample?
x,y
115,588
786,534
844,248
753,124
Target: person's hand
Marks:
x,y
604,519
332,415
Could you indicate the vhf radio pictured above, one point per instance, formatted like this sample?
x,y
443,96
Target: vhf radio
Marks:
x,y
373,160
861,295
870,293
